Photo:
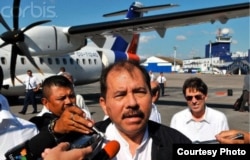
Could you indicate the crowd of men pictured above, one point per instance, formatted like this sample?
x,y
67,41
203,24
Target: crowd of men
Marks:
x,y
126,97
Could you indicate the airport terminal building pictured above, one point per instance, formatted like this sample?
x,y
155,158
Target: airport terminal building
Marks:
x,y
219,59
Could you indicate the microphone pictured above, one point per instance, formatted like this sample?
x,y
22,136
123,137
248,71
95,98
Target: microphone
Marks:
x,y
21,151
108,152
31,149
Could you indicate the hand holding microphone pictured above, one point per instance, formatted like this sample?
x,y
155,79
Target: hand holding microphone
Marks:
x,y
61,152
73,119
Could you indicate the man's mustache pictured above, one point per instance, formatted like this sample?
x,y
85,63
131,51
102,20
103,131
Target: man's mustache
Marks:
x,y
133,113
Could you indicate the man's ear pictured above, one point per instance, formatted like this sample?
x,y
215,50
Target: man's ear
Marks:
x,y
44,101
102,103
205,97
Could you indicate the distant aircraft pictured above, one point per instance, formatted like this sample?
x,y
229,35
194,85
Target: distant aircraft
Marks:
x,y
47,48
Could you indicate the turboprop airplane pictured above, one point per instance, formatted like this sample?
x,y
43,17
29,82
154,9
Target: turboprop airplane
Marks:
x,y
37,45
85,64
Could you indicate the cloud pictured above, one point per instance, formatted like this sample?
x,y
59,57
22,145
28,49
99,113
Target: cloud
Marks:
x,y
146,39
234,41
205,32
181,38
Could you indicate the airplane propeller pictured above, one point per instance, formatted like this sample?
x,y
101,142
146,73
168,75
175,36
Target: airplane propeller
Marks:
x,y
16,38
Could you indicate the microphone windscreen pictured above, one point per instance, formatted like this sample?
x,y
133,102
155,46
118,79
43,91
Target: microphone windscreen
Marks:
x,y
108,152
112,148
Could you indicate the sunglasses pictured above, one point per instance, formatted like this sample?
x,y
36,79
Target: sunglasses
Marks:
x,y
197,97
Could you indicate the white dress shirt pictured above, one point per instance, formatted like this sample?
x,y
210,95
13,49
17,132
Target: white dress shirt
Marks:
x,y
31,82
13,130
152,77
155,114
213,123
161,79
246,82
142,152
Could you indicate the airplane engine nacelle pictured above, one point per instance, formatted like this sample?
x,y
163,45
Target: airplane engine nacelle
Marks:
x,y
50,40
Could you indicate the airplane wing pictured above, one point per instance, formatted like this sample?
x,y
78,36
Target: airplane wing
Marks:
x,y
162,22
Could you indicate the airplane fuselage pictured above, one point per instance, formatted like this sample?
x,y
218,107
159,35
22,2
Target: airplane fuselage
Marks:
x,y
85,65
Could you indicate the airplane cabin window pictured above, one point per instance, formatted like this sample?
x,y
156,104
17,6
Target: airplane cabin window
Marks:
x,y
95,61
83,61
49,60
41,60
64,61
71,61
3,60
23,61
77,61
89,61
57,61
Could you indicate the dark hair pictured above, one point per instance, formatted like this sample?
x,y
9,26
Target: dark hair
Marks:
x,y
155,90
56,80
122,65
62,69
195,83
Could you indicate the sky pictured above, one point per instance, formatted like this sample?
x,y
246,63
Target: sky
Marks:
x,y
190,41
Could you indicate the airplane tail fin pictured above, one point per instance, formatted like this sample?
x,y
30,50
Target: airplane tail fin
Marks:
x,y
121,41
129,43
136,10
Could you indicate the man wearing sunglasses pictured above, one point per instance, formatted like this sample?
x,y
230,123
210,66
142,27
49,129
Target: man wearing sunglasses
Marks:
x,y
198,122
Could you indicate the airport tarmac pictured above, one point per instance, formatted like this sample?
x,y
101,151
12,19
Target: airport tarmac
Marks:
x,y
222,93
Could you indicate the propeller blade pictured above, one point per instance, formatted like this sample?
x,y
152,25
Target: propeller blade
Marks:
x,y
14,51
25,51
4,44
35,24
4,23
16,6
1,77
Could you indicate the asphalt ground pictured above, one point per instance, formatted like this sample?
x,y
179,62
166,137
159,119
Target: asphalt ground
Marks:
x,y
222,93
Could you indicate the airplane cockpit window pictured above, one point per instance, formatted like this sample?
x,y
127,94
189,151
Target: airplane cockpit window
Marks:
x,y
3,60
49,60
23,61
71,61
83,61
64,61
57,61
89,61
41,60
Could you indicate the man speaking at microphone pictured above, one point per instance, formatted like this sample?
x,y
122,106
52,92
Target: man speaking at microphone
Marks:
x,y
126,99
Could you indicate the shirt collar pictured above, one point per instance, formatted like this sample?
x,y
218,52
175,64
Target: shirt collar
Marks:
x,y
206,118
115,135
44,110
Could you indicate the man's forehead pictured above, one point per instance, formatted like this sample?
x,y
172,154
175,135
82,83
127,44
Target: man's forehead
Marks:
x,y
130,71
55,88
192,90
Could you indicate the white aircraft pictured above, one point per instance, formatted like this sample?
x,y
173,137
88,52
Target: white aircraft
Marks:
x,y
49,55
47,48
